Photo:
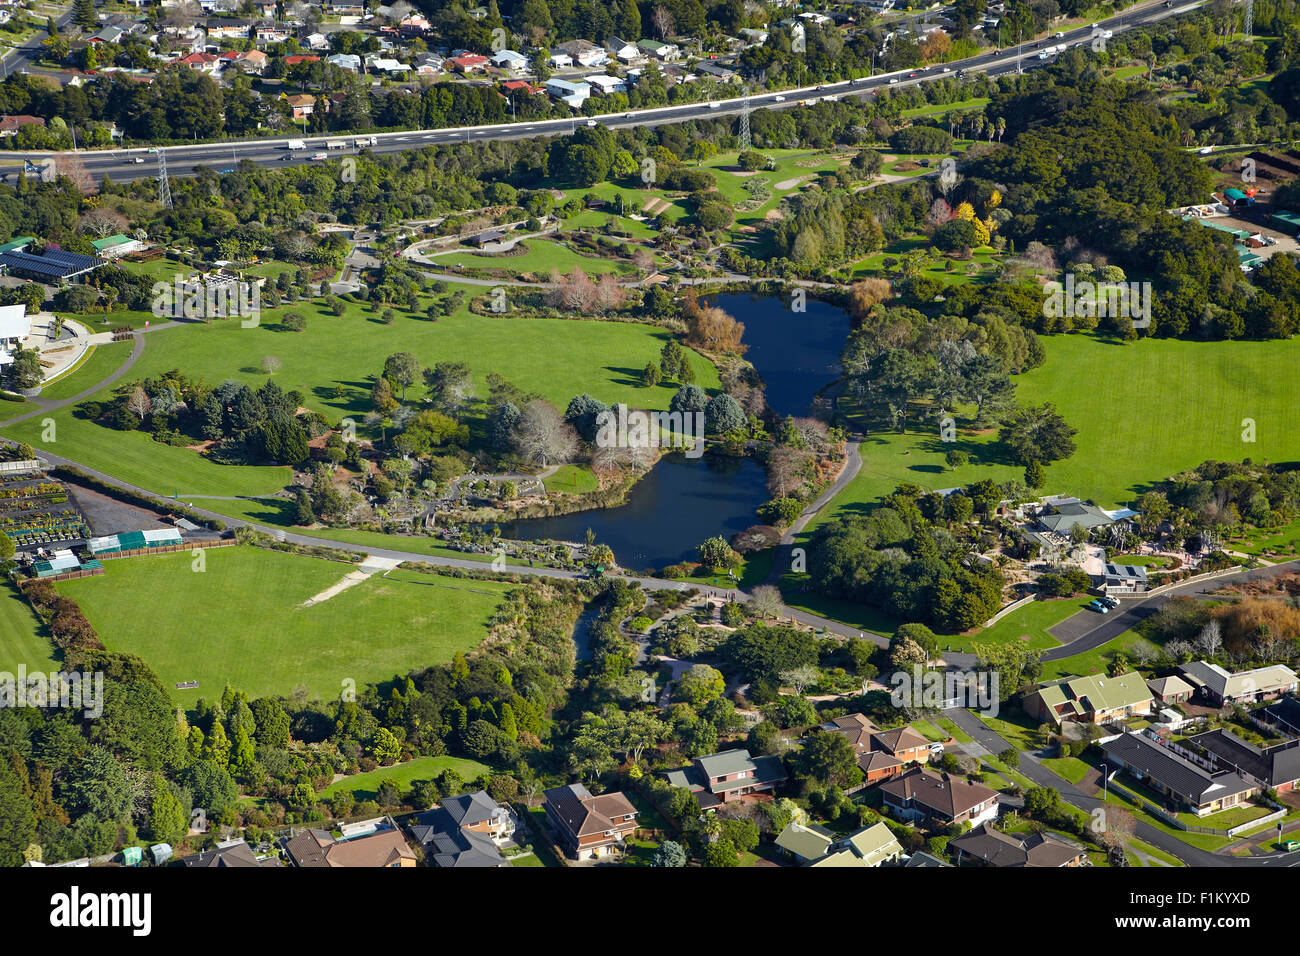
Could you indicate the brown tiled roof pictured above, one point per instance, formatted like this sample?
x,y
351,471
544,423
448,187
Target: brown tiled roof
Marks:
x,y
379,849
904,738
941,793
1005,849
875,760
584,814
308,848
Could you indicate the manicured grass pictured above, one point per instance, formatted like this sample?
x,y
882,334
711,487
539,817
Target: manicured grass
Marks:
x,y
542,256
1142,560
1119,456
1070,768
1203,841
929,731
571,480
1017,730
1095,661
1025,625
22,635
239,620
332,364
1152,851
364,786
861,616
1227,819
955,732
102,362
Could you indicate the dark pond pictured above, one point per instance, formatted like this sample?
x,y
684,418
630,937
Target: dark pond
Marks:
x,y
683,501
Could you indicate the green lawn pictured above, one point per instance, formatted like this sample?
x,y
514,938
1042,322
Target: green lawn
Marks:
x,y
1027,625
542,256
102,362
1069,768
1096,661
239,620
955,732
332,364
1204,391
22,635
571,480
364,786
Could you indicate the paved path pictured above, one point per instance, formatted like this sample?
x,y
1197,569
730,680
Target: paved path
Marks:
x,y
852,465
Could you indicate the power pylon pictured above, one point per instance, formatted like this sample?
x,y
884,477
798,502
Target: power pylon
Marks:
x,y
1250,19
744,126
164,184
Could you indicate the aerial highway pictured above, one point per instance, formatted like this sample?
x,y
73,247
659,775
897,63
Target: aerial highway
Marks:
x,y
142,163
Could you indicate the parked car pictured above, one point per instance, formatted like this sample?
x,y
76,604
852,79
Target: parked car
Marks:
x,y
1098,607
936,749
1109,601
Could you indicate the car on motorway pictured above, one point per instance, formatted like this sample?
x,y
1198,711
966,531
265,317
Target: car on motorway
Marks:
x,y
319,157
893,81
227,171
1098,607
713,104
1060,35
1043,55
912,74
591,122
287,158
947,69
780,99
137,160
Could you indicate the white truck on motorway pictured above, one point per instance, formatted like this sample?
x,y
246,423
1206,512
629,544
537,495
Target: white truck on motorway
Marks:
x,y
319,157
295,144
363,141
336,144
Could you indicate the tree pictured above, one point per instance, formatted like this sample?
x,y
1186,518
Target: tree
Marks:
x,y
669,854
271,365
650,375
303,515
7,548
402,369
699,685
765,601
829,758
542,436
1037,434
717,555
83,14
723,415
1035,475
294,322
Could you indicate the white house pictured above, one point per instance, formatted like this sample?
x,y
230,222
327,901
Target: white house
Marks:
x,y
346,61
606,84
560,61
510,60
15,326
623,51
571,94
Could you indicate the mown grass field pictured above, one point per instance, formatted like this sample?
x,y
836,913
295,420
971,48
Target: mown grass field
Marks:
x,y
101,363
239,620
364,786
1144,411
22,636
332,364
541,256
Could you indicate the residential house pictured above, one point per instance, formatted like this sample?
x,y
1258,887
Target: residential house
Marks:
x,y
385,64
585,53
428,64
316,41
1096,699
381,846
10,125
253,61
903,744
571,94
414,26
229,29
659,49
1170,690
1060,515
922,859
464,832
1216,686
1273,768
468,63
107,34
804,842
345,61
986,846
298,59
1183,782
560,61
723,777
509,60
589,827
753,37
605,84
624,52
939,799
271,32
231,853
1283,715
717,70
302,104
812,845
857,728
521,86
200,62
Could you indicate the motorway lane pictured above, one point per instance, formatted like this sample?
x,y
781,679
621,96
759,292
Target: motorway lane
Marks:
x,y
181,160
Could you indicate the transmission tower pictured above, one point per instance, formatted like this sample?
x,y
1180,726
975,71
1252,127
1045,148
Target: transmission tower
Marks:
x,y
744,126
164,185
1250,19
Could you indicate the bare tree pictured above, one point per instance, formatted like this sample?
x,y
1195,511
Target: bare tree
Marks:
x,y
75,170
663,22
765,602
137,403
271,365
103,222
801,678
784,468
542,436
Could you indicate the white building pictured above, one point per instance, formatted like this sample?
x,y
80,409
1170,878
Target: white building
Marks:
x,y
510,60
571,94
15,326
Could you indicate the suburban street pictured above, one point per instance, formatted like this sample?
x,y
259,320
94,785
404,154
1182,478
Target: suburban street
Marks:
x,y
183,160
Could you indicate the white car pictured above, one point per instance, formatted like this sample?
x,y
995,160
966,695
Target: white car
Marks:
x,y
1206,150
1043,55
713,105
894,81
137,160
591,122
947,69
1060,36
936,749
780,99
